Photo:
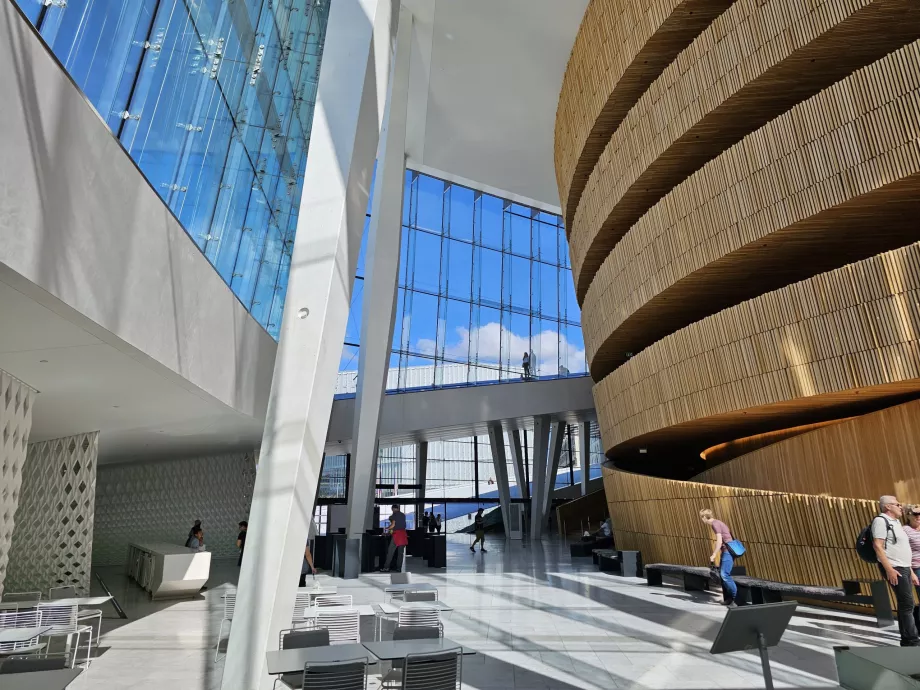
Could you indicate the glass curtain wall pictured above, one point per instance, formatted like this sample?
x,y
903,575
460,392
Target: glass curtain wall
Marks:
x,y
481,281
213,100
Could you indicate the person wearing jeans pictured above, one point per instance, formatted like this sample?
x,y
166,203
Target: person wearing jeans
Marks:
x,y
892,547
912,528
723,536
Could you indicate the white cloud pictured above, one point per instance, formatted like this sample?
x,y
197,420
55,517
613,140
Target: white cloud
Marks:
x,y
493,341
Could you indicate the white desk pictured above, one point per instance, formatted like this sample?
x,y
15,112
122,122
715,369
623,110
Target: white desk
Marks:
x,y
168,570
22,635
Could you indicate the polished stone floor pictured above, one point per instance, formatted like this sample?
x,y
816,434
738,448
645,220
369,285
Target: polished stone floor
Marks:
x,y
537,619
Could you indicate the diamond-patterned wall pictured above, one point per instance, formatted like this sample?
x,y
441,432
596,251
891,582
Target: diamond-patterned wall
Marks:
x,y
16,400
53,539
158,502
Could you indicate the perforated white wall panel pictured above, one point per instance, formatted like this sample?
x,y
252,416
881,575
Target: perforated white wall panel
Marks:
x,y
16,400
53,538
159,501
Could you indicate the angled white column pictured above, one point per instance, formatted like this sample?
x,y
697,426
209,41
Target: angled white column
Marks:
x,y
421,475
552,466
500,462
336,183
584,448
541,426
379,306
517,460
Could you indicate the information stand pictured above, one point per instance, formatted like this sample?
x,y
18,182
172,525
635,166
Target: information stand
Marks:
x,y
754,627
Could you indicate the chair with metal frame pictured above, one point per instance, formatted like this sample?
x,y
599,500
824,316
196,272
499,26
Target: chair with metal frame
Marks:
x,y
393,678
421,595
299,639
350,674
83,615
21,619
397,579
333,600
229,606
13,597
302,602
433,670
64,622
415,615
344,626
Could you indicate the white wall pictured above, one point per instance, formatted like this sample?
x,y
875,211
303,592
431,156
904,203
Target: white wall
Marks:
x,y
159,501
78,222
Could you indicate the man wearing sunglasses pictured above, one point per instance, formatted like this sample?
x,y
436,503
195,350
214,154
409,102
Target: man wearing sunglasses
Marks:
x,y
893,550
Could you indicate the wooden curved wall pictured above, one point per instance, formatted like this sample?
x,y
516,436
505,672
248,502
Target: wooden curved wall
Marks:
x,y
864,457
839,338
790,537
742,205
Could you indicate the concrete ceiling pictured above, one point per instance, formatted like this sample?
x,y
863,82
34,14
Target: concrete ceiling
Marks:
x,y
86,384
485,78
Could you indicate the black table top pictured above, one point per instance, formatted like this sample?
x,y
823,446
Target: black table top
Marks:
x,y
39,680
293,660
389,650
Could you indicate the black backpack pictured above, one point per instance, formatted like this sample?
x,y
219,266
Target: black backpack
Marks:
x,y
865,548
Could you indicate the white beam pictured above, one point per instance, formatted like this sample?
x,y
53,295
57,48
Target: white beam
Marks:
x,y
517,461
379,306
552,467
584,447
331,221
541,425
500,462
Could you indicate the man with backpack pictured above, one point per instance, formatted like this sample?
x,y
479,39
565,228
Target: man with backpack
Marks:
x,y
892,549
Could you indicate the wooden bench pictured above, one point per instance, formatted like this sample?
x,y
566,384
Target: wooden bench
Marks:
x,y
752,590
695,578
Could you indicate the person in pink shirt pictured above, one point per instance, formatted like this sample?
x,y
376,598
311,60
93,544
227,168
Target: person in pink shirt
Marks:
x,y
913,536
727,561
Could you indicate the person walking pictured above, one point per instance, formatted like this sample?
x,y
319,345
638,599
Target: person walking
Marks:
x,y
722,554
912,528
425,519
892,548
307,567
480,527
398,540
525,363
437,524
241,541
432,523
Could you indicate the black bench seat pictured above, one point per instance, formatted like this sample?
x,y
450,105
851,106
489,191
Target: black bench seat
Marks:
x,y
753,590
757,591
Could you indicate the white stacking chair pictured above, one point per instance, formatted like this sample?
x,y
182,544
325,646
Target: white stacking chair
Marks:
x,y
419,615
433,671
21,619
344,626
229,606
64,622
83,615
332,600
301,604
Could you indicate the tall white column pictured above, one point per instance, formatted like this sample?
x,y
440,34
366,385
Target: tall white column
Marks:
x,y
541,426
379,306
584,448
552,467
343,143
500,462
517,460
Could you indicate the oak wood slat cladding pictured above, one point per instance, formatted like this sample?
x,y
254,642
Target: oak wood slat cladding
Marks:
x,y
833,180
755,61
621,47
790,537
809,351
871,455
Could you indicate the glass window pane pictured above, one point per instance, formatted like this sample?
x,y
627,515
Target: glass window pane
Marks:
x,y
459,269
426,262
461,212
520,235
491,221
488,275
430,209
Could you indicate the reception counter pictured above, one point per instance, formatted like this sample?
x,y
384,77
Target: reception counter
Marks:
x,y
168,570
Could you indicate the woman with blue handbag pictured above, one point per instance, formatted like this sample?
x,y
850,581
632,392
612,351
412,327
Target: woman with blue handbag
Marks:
x,y
728,548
